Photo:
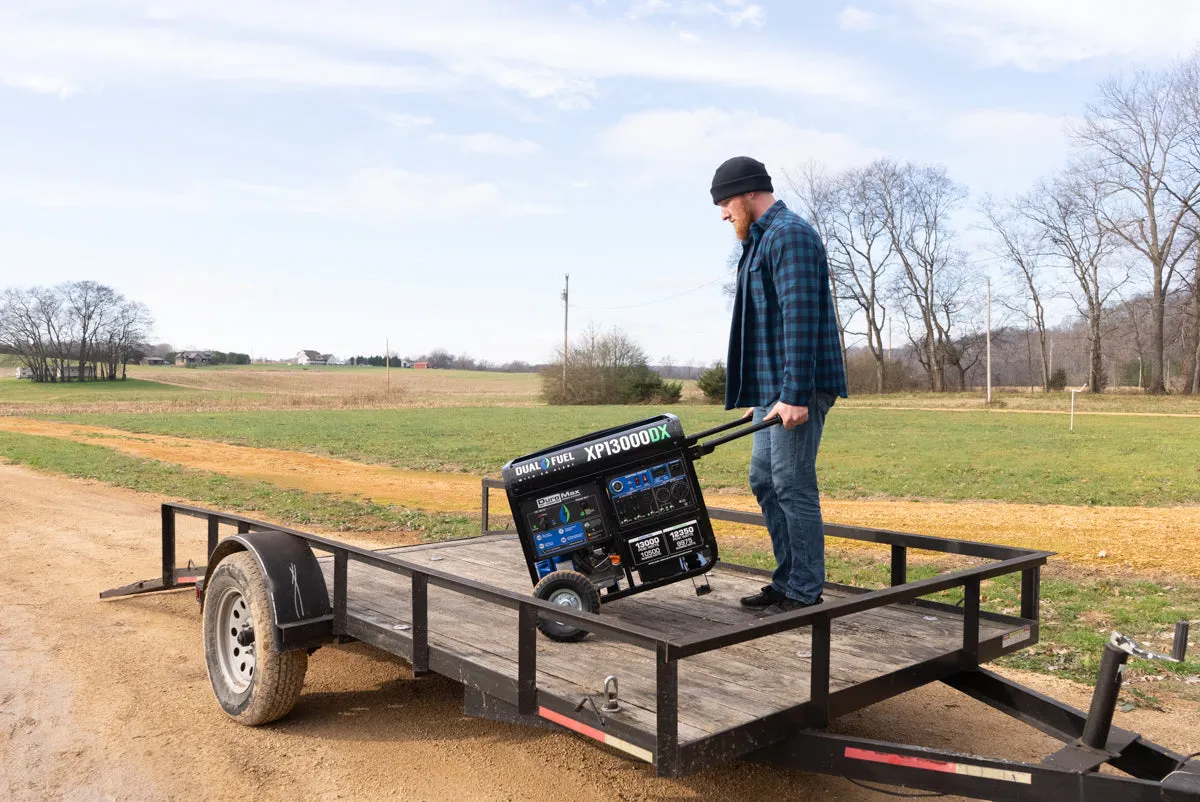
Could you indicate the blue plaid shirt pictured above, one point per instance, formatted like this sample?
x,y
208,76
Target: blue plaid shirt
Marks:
x,y
783,342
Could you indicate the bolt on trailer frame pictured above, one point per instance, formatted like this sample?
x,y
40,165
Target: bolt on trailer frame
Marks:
x,y
794,735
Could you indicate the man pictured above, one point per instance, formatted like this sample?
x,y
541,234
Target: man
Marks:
x,y
785,360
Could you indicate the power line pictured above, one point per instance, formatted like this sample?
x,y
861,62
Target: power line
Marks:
x,y
652,303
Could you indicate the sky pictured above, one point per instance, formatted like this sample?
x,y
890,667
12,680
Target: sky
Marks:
x,y
277,175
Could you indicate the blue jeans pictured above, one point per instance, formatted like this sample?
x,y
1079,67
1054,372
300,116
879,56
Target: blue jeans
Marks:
x,y
783,476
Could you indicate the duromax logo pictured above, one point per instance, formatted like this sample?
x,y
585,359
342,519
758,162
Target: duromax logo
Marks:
x,y
544,464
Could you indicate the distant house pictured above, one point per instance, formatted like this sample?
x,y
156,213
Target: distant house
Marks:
x,y
189,359
23,373
311,358
421,365
153,360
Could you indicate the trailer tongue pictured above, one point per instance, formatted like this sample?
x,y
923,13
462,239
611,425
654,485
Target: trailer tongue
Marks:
x,y
698,680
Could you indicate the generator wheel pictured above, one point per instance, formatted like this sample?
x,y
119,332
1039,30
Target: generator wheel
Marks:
x,y
253,681
572,590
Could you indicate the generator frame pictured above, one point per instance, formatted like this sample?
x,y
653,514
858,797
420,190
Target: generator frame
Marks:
x,y
796,736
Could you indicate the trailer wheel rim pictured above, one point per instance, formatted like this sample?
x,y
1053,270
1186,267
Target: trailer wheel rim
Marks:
x,y
237,662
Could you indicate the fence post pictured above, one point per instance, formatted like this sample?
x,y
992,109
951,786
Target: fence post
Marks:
x,y
527,618
899,565
168,546
213,535
822,655
667,709
420,624
340,565
971,624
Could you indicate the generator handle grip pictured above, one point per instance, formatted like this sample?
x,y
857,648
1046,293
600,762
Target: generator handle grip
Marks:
x,y
694,438
700,449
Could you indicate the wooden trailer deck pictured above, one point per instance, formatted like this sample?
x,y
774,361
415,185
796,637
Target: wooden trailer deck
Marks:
x,y
873,654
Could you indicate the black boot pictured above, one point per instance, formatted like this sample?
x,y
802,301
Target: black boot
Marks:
x,y
763,599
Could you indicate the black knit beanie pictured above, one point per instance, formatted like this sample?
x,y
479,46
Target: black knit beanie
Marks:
x,y
738,175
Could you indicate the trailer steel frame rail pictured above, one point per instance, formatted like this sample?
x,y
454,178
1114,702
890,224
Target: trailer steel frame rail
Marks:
x,y
793,737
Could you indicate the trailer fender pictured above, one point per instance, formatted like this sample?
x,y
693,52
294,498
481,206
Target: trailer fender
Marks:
x,y
303,618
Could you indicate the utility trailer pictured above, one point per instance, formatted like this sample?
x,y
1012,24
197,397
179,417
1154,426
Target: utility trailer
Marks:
x,y
678,681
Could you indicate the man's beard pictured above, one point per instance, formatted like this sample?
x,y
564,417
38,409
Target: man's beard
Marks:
x,y
741,226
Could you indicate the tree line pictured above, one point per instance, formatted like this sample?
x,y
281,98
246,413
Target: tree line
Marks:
x,y
75,331
444,360
1117,229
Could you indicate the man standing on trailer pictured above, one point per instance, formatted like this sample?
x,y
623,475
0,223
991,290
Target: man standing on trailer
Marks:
x,y
785,360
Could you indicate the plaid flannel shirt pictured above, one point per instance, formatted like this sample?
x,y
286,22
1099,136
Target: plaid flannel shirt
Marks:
x,y
783,342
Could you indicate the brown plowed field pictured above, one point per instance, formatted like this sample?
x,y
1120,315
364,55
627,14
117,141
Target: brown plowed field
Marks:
x,y
109,700
1078,534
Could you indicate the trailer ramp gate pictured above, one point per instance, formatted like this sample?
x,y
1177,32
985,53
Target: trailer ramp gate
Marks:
x,y
665,725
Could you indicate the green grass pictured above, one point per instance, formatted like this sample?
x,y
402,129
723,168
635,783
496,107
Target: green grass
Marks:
x,y
865,453
23,391
320,510
1078,613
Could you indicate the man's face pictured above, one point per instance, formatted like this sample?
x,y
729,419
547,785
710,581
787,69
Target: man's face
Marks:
x,y
737,211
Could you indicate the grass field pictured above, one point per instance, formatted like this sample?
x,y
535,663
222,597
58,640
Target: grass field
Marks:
x,y
866,453
1078,609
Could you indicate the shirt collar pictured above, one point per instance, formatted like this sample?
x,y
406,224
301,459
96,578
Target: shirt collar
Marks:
x,y
766,218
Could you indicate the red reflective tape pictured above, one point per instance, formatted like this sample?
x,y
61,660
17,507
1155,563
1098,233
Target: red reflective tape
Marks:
x,y
572,724
855,753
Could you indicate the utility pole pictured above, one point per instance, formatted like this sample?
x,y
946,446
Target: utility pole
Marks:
x,y
989,341
387,361
566,306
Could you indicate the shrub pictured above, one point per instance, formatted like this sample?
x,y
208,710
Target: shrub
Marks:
x,y
1058,379
607,368
712,383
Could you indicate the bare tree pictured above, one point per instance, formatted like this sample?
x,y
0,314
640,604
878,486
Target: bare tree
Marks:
x,y
1020,245
1140,134
90,306
846,211
915,202
1068,212
818,196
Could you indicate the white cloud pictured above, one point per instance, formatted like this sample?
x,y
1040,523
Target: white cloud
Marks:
x,y
1007,125
404,47
675,143
1004,150
372,193
38,83
852,18
404,122
735,12
496,144
1040,35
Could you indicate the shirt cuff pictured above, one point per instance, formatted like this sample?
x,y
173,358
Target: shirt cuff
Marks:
x,y
794,396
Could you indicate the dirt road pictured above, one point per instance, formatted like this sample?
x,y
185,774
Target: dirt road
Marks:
x,y
109,700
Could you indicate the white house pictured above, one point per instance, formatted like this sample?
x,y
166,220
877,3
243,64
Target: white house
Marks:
x,y
23,373
307,357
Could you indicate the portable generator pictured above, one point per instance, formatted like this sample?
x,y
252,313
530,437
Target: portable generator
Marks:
x,y
614,513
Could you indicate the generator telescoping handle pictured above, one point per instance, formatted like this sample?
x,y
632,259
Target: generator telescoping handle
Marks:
x,y
700,449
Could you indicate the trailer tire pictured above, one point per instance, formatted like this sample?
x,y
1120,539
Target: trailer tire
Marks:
x,y
572,590
264,687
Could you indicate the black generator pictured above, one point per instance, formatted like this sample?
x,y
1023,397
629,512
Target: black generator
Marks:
x,y
614,513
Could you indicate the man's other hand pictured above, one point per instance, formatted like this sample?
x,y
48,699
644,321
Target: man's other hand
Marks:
x,y
791,416
749,413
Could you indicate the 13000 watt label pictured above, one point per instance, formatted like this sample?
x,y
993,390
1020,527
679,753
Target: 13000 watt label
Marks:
x,y
669,542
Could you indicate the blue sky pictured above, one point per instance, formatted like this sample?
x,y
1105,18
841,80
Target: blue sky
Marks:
x,y
283,174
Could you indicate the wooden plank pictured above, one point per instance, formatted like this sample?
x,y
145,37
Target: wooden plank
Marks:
x,y
717,691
